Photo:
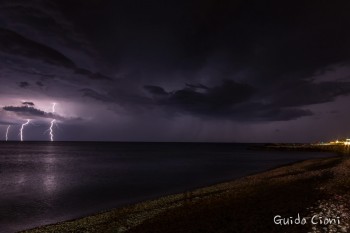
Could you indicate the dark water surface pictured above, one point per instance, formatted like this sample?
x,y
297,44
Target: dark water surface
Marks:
x,y
43,183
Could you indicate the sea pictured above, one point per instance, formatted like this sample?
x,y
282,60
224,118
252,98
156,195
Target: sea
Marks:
x,y
48,182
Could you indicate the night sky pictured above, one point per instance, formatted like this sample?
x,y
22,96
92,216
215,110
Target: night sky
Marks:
x,y
211,71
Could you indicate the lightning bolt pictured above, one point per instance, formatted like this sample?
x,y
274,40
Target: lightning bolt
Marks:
x,y
52,123
7,132
21,131
51,130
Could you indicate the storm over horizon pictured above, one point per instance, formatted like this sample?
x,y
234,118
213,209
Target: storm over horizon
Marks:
x,y
209,71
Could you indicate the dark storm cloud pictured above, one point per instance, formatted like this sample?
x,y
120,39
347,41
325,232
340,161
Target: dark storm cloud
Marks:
x,y
31,112
156,90
265,112
273,38
95,95
40,84
227,94
229,100
238,60
42,53
28,103
23,84
95,76
278,49
125,96
302,93
41,21
15,44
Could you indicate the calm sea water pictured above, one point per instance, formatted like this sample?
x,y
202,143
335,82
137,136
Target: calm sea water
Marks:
x,y
43,183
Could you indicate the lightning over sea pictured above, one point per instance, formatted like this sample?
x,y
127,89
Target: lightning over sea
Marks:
x,y
52,123
7,132
22,127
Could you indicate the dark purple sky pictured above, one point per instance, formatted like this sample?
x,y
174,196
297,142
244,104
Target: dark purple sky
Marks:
x,y
223,71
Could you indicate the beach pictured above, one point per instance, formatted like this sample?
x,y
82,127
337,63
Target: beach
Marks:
x,y
318,187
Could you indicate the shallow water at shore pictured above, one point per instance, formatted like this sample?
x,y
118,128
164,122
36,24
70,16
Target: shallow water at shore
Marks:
x,y
43,183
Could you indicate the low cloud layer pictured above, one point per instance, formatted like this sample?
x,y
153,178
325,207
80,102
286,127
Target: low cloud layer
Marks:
x,y
31,112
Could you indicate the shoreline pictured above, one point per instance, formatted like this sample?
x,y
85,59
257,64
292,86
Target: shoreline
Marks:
x,y
325,147
154,215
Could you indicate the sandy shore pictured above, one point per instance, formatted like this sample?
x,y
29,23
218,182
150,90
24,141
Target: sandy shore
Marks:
x,y
319,187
